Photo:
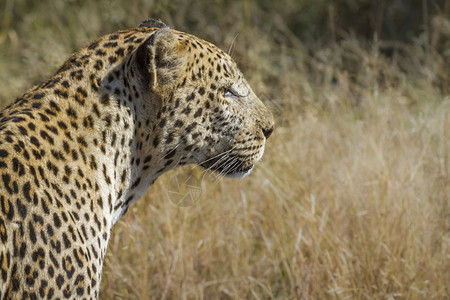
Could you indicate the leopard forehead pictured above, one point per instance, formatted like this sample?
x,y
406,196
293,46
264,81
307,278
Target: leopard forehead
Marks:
x,y
204,58
78,149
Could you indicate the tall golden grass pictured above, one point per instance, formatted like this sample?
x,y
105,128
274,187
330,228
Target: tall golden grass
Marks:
x,y
352,198
347,203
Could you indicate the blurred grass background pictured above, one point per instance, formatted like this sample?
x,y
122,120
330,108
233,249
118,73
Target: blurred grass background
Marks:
x,y
352,199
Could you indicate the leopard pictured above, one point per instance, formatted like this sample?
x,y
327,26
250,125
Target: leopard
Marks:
x,y
78,149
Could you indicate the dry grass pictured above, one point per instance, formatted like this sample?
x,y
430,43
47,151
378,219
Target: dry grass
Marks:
x,y
351,200
339,208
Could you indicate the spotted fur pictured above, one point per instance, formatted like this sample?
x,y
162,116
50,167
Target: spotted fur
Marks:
x,y
78,149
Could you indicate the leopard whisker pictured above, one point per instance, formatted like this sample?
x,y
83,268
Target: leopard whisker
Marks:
x,y
231,49
168,153
216,156
229,165
218,163
227,169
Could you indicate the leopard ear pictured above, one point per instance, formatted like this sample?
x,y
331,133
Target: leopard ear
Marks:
x,y
159,59
153,23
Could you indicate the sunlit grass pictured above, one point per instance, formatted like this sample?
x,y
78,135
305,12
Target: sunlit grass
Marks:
x,y
338,208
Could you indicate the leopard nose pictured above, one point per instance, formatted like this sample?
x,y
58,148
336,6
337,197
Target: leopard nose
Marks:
x,y
267,132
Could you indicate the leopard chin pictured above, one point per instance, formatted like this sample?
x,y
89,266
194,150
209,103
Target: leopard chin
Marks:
x,y
241,174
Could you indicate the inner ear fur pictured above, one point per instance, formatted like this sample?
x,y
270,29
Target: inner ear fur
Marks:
x,y
159,59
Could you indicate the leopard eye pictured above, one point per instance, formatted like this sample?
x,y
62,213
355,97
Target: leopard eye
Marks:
x,y
229,92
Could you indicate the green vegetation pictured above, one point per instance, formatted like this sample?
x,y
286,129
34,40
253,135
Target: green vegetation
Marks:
x,y
352,199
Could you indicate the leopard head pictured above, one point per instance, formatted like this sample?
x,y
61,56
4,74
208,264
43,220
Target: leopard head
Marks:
x,y
204,111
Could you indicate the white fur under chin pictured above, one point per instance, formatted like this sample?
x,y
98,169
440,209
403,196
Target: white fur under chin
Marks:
x,y
241,174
